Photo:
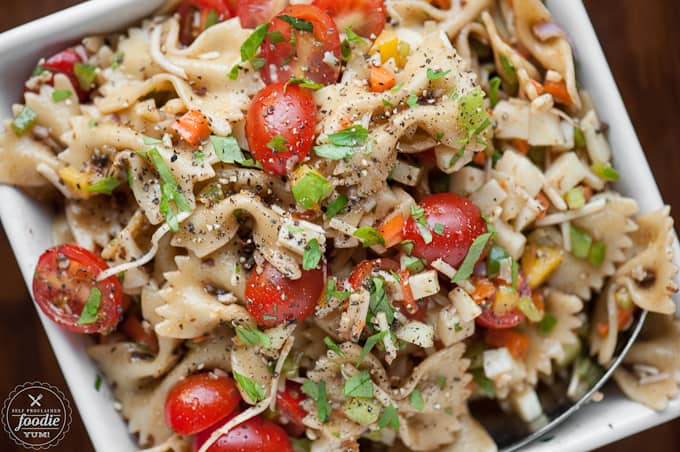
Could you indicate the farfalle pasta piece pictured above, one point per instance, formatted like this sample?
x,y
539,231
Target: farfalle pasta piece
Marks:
x,y
612,226
553,53
649,271
545,347
96,221
21,159
442,381
210,228
649,373
54,115
471,437
197,299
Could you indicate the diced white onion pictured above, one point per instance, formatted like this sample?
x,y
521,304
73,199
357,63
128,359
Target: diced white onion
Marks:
x,y
465,306
406,174
468,180
417,333
522,170
490,196
451,328
512,242
526,404
296,234
566,172
424,284
496,362
598,147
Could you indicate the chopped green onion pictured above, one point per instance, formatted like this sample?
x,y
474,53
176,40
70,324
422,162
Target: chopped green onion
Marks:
x,y
515,273
312,255
438,228
597,253
86,75
484,384
362,411
90,311
407,246
493,261
150,141
416,400
310,189
369,236
331,291
580,242
333,152
435,75
413,264
104,186
473,255
317,392
250,335
60,95
24,121
371,342
579,138
389,418
529,309
334,207
623,299
98,382
333,346
575,198
117,60
397,87
254,390
359,385
548,323
509,73
227,149
494,86
605,171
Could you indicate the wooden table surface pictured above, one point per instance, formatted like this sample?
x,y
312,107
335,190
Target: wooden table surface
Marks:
x,y
641,40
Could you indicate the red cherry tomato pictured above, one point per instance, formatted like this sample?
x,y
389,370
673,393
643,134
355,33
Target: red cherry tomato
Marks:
x,y
489,319
63,280
313,55
462,223
365,268
255,435
365,17
221,7
64,62
280,126
199,401
133,328
272,299
288,403
194,15
255,12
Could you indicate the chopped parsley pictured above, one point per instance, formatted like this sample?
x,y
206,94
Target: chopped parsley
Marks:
x,y
277,144
334,207
494,86
369,344
254,390
317,392
359,385
509,73
90,311
369,236
483,383
312,255
473,255
412,100
413,264
86,75
172,199
379,302
332,292
418,214
310,189
227,149
250,335
333,346
389,418
296,23
98,382
117,60
416,400
438,228
343,144
302,83
250,47
548,323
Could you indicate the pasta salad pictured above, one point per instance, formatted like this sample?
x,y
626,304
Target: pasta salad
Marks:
x,y
336,225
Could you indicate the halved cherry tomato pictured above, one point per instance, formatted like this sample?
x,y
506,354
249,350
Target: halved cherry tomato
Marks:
x,y
296,52
365,268
257,434
365,17
64,63
461,221
273,299
194,14
199,401
490,320
288,403
255,12
63,281
221,7
133,328
280,126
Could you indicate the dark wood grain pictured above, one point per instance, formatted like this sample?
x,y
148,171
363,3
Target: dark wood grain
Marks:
x,y
641,40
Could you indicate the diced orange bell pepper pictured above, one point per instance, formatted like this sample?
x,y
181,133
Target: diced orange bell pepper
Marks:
x,y
602,329
193,127
559,92
381,79
516,342
484,289
522,146
391,230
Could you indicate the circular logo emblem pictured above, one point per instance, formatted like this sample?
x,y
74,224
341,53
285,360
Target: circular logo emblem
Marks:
x,y
36,415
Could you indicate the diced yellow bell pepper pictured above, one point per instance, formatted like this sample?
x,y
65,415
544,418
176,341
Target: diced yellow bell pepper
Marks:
x,y
76,181
506,300
389,46
538,263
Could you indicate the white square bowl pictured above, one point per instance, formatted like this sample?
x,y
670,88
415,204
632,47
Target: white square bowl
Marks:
x,y
28,223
